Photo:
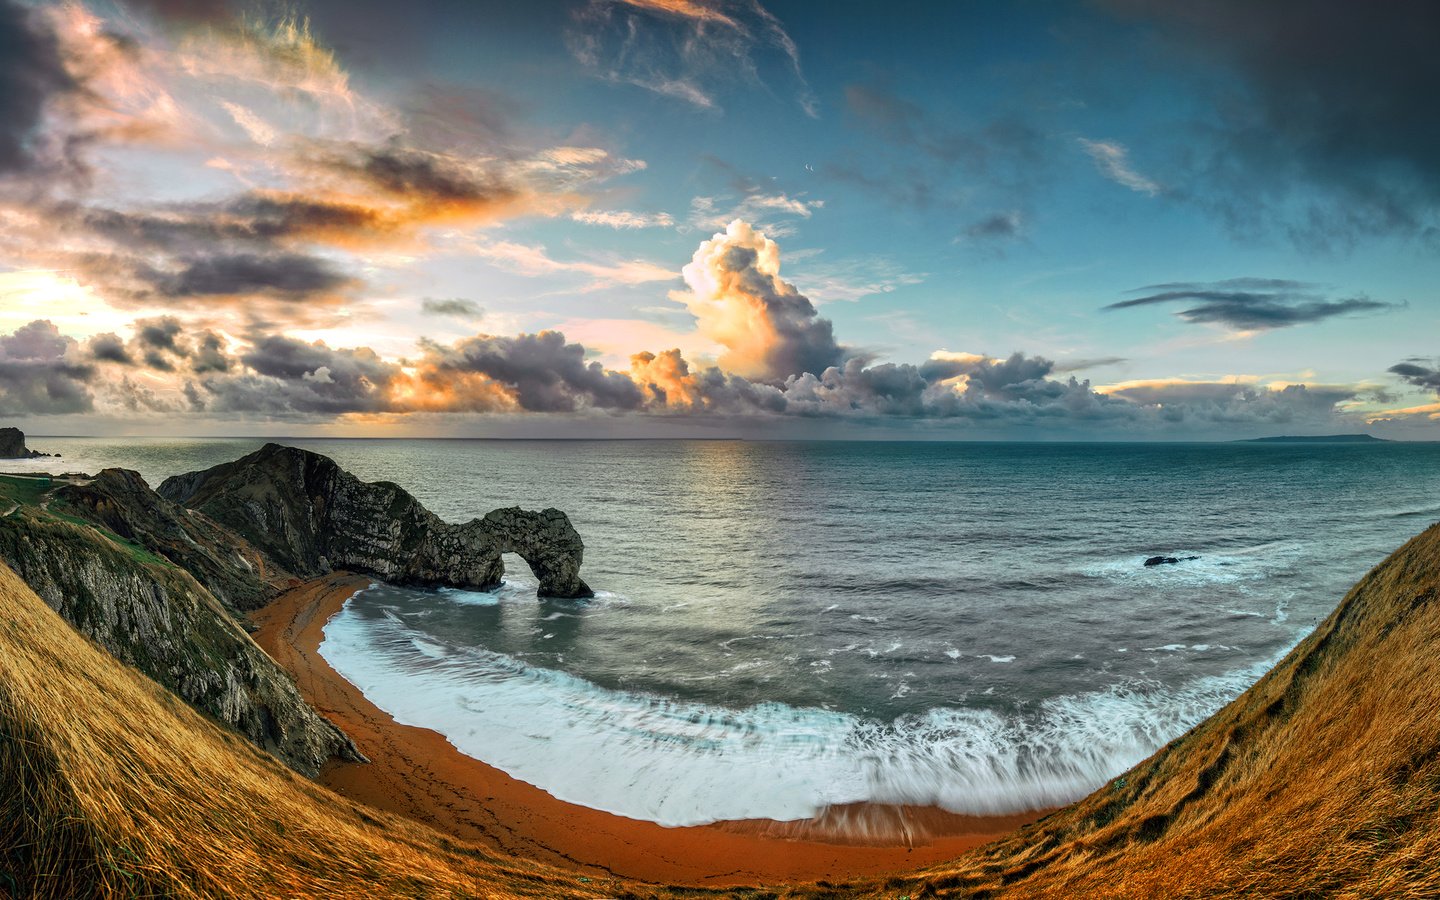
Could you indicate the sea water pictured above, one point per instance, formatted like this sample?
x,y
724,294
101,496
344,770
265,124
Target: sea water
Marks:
x,y
779,627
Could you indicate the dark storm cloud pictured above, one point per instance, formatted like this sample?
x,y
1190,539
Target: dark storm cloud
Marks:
x,y
542,371
289,276
1337,97
1252,304
40,374
31,73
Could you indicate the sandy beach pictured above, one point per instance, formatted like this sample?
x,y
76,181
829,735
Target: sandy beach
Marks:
x,y
415,772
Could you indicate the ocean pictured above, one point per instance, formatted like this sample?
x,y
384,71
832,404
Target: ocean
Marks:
x,y
779,627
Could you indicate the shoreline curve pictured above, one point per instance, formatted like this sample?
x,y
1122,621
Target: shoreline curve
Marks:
x,y
417,773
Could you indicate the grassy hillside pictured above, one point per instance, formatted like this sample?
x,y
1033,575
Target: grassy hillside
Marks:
x,y
111,787
1321,781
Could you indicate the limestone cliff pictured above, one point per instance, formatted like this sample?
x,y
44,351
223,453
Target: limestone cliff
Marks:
x,y
227,564
312,517
151,613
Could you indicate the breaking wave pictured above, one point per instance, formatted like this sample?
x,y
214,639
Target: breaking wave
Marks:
x,y
684,763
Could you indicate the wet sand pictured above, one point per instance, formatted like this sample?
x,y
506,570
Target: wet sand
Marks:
x,y
416,773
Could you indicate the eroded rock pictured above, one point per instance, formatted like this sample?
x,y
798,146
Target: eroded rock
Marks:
x,y
312,517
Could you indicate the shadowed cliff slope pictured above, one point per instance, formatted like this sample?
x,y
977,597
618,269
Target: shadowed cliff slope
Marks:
x,y
312,517
115,586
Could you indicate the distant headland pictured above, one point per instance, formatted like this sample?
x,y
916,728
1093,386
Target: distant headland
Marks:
x,y
12,445
1317,439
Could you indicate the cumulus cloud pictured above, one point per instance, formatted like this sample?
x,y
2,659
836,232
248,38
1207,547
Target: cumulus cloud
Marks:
x,y
42,372
687,50
779,359
1252,304
1235,401
768,328
537,372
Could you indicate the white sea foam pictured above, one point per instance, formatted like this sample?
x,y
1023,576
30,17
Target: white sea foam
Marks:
x,y
683,763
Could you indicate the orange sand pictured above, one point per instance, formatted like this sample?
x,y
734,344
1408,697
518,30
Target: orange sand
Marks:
x,y
415,772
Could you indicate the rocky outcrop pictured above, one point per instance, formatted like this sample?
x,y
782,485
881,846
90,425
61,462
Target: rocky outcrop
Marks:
x,y
311,517
227,564
1168,560
12,445
153,615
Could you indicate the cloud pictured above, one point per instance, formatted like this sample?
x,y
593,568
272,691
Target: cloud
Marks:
x,y
687,50
326,173
1252,304
1235,401
1112,159
532,372
1421,376
41,372
32,72
942,160
534,259
457,307
622,219
768,329
1001,226
287,276
1324,132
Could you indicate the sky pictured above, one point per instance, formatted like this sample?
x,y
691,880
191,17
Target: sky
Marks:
x,y
1102,220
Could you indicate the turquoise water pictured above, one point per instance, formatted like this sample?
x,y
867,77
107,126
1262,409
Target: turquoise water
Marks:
x,y
781,626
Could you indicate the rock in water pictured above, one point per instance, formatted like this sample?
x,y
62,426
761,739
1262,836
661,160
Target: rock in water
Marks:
x,y
1168,560
312,517
12,445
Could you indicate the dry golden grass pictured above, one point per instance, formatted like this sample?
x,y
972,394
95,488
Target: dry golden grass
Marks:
x,y
111,787
1323,780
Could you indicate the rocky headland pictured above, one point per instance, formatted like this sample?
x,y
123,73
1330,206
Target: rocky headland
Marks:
x,y
165,583
12,445
312,517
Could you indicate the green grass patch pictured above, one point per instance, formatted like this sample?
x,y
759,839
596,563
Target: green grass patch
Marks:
x,y
137,552
18,489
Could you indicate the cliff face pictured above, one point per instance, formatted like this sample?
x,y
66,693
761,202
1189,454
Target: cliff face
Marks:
x,y
312,517
227,564
154,615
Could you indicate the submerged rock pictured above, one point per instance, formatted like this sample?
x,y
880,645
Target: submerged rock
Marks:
x,y
312,517
1168,560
